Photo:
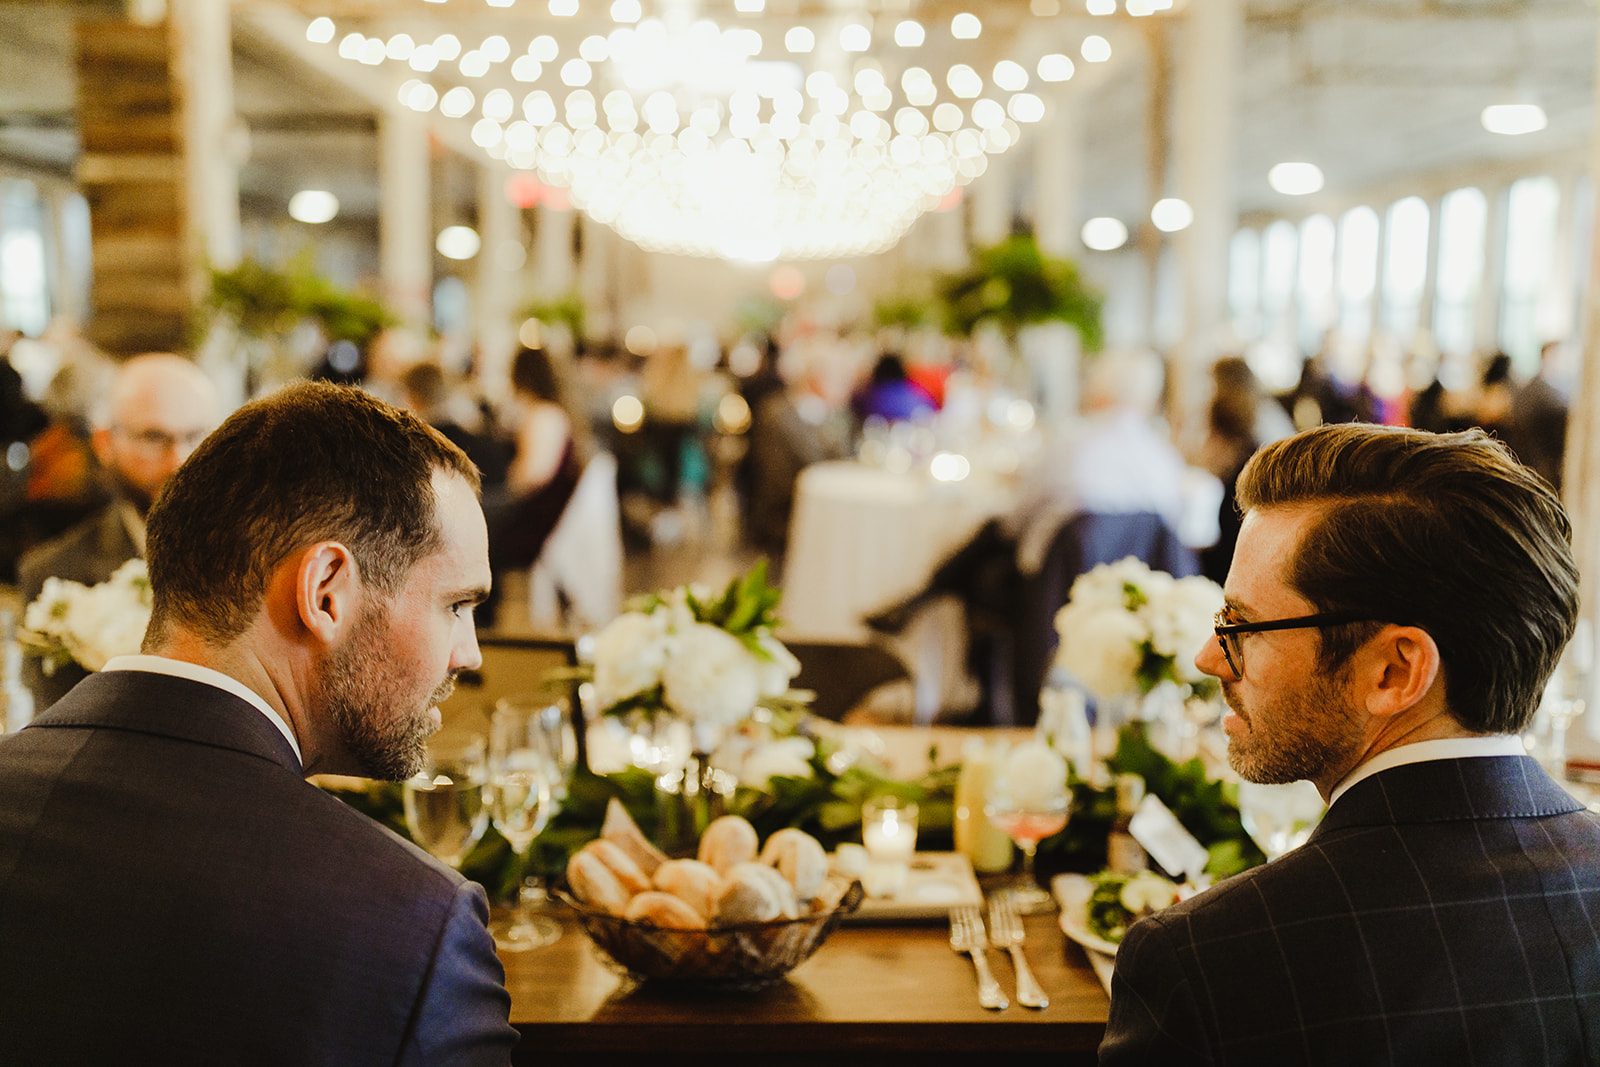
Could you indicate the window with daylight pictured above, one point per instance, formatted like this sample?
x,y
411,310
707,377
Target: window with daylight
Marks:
x,y
1405,268
1280,244
1318,303
1530,299
1358,271
24,278
1463,221
1244,284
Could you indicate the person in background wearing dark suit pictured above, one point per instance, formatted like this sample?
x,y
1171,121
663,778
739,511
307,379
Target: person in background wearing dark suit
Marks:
x,y
159,409
1396,603
171,889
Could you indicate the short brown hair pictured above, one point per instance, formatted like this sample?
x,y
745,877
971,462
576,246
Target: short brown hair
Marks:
x,y
311,462
1446,532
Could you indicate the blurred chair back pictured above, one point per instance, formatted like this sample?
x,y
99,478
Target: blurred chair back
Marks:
x,y
516,666
1083,542
842,674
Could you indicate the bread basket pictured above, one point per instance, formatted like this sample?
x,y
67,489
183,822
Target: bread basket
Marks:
x,y
741,957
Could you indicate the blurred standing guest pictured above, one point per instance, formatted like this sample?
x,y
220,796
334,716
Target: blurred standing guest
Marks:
x,y
1396,604
891,394
671,385
20,421
793,429
160,408
1496,392
544,470
1537,429
427,391
1232,438
314,568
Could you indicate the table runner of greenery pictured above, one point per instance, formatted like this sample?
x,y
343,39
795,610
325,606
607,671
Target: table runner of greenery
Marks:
x,y
828,806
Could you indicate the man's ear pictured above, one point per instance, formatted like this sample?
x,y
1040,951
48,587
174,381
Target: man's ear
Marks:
x,y
328,590
1399,668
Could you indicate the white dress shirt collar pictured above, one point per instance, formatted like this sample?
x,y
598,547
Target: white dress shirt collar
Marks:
x,y
205,675
1421,751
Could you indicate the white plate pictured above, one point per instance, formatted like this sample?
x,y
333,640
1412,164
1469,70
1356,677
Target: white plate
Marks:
x,y
1074,929
935,883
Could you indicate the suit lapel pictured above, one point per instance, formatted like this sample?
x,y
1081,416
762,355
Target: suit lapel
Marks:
x,y
166,706
1485,787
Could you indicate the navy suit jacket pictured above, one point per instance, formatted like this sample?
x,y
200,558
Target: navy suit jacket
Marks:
x,y
172,891
1445,912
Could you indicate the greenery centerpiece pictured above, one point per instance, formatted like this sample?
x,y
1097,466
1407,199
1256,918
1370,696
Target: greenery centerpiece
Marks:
x,y
1015,284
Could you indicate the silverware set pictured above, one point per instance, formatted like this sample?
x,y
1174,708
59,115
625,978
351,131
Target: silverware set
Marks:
x,y
967,934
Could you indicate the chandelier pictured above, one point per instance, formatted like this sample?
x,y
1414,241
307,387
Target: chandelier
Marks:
x,y
814,136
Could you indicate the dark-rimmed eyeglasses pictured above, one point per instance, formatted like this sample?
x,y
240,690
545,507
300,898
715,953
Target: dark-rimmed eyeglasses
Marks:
x,y
1233,651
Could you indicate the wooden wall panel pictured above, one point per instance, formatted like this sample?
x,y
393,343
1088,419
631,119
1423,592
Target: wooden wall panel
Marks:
x,y
132,174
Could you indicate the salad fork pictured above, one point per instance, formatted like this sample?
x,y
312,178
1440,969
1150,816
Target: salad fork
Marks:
x,y
1005,931
966,935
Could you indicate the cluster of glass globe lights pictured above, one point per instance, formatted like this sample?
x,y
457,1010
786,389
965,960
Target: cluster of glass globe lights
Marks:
x,y
763,173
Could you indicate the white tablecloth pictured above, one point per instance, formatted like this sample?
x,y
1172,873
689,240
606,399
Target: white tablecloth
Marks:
x,y
861,537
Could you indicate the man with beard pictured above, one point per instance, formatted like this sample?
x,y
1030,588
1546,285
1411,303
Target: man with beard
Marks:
x,y
159,409
171,889
1396,603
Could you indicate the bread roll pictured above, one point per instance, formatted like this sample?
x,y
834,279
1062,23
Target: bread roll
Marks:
x,y
620,829
664,909
800,858
728,842
754,893
620,864
696,884
593,883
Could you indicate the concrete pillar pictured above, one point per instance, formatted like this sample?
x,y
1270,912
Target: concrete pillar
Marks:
x,y
991,201
552,251
202,34
1203,137
500,227
405,216
1058,177
1581,479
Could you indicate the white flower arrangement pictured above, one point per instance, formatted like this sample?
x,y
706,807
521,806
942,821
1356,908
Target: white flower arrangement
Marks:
x,y
1127,628
710,661
88,624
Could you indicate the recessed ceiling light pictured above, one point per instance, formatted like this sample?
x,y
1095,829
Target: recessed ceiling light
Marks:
x,y
1512,120
1104,234
1295,178
313,206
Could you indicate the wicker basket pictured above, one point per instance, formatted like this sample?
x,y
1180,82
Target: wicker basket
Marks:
x,y
746,956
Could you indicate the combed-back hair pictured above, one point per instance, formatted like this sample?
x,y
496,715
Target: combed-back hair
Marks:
x,y
1446,532
312,462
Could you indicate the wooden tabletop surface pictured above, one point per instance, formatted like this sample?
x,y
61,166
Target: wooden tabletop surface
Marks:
x,y
870,993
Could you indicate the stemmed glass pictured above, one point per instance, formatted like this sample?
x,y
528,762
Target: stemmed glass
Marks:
x,y
444,804
1030,802
1564,696
528,769
1279,818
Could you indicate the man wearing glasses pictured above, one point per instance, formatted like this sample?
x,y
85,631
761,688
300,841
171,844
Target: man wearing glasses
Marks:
x,y
1396,603
160,408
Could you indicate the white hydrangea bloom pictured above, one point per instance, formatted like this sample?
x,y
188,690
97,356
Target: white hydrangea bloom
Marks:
x,y
710,677
780,670
789,757
629,656
1035,775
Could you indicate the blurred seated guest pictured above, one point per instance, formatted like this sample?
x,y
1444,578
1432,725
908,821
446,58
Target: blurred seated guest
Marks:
x,y
891,394
20,421
1537,430
544,469
1117,460
671,384
428,396
160,408
314,569
792,429
1233,435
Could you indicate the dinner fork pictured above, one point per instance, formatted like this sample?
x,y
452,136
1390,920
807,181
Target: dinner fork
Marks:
x,y
1005,931
966,935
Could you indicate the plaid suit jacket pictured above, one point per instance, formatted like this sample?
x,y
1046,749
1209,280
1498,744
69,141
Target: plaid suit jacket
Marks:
x,y
1445,912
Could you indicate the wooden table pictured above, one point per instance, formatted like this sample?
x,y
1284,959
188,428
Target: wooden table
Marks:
x,y
878,994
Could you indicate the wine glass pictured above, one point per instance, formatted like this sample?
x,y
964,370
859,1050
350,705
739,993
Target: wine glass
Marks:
x,y
1565,695
444,804
1279,818
1028,799
528,770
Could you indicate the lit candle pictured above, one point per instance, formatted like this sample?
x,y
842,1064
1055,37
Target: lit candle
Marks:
x,y
889,829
